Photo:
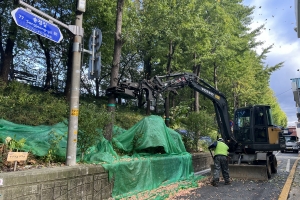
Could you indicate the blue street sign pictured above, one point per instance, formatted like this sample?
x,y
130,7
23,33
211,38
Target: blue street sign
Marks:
x,y
36,24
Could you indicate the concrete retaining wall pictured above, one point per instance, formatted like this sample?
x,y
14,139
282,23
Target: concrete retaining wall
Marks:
x,y
201,161
78,182
84,182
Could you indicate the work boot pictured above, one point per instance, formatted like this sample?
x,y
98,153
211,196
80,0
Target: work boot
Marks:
x,y
213,183
227,183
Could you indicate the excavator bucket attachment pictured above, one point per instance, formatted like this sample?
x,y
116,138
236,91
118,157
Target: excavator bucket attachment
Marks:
x,y
250,172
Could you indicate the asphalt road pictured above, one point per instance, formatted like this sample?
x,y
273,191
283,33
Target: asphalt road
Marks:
x,y
245,189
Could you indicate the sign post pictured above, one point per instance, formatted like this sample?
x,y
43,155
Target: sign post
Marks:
x,y
40,26
16,156
95,58
36,24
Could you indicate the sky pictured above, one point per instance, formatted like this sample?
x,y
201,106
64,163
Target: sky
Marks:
x,y
279,19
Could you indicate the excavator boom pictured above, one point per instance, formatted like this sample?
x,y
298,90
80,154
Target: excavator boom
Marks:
x,y
250,157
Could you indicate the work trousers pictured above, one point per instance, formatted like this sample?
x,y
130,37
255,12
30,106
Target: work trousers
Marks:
x,y
221,163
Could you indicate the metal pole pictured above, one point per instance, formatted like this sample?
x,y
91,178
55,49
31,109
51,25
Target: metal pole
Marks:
x,y
74,29
43,14
74,98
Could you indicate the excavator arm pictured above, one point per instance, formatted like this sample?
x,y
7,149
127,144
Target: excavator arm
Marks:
x,y
173,82
259,165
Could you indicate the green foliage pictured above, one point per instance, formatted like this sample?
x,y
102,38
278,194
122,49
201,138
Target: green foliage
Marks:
x,y
13,144
179,113
136,140
204,145
54,140
197,124
212,35
92,121
24,105
188,143
127,117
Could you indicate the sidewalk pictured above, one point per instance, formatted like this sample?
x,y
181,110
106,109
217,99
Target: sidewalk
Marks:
x,y
294,193
291,189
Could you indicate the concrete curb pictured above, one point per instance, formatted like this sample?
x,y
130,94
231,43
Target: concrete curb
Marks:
x,y
203,172
287,186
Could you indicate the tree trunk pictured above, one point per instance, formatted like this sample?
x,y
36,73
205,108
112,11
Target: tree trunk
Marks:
x,y
156,105
167,99
49,73
167,110
1,47
235,96
148,69
172,97
215,76
196,94
115,69
8,53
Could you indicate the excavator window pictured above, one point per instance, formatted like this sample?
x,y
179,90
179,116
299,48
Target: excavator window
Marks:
x,y
242,118
260,130
243,122
259,116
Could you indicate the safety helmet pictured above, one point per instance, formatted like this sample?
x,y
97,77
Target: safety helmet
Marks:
x,y
221,140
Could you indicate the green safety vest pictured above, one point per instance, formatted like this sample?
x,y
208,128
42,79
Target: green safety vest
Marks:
x,y
221,149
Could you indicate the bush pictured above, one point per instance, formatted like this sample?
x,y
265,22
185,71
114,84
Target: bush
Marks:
x,y
204,145
127,118
92,121
20,104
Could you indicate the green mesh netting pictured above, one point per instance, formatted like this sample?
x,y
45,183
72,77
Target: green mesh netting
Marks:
x,y
37,137
149,154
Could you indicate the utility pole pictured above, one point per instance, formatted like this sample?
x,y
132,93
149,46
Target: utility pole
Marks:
x,y
75,87
22,17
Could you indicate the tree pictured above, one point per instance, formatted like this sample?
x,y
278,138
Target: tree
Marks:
x,y
115,65
7,53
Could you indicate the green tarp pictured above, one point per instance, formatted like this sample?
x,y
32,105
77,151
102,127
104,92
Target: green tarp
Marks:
x,y
152,154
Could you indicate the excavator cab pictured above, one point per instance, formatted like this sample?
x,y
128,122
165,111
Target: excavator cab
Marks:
x,y
256,138
254,130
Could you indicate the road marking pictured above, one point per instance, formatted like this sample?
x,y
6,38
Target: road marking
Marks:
x,y
288,165
289,157
287,186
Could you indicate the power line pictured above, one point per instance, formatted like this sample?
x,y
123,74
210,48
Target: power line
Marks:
x,y
284,92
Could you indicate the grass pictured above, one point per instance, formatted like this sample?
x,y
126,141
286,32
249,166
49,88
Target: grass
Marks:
x,y
25,104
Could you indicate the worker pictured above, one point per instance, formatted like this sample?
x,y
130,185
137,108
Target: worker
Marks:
x,y
221,162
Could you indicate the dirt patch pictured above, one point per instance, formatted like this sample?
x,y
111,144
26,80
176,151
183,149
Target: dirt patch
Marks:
x,y
32,162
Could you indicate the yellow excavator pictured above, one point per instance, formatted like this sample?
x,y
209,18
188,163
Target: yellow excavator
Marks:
x,y
252,138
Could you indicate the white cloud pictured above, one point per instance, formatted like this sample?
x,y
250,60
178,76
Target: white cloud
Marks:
x,y
278,16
